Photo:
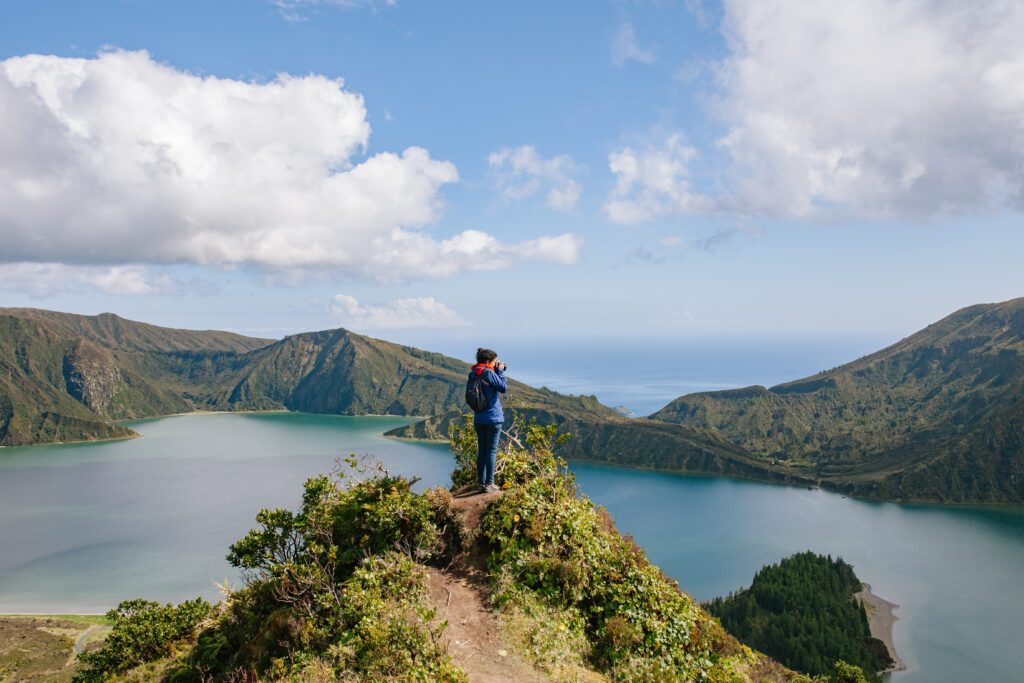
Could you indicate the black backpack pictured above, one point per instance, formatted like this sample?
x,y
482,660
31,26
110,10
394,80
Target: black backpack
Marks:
x,y
476,395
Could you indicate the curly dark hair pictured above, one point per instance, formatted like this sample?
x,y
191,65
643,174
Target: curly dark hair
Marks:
x,y
485,355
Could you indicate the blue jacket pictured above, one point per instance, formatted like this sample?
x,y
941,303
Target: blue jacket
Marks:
x,y
496,384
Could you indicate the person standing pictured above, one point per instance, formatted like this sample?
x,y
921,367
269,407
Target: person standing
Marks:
x,y
488,422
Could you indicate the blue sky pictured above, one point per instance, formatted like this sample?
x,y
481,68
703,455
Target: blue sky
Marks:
x,y
438,172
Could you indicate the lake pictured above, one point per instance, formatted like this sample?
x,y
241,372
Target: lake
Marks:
x,y
84,526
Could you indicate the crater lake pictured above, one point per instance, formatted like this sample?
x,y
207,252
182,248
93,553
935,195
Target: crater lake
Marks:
x,y
84,526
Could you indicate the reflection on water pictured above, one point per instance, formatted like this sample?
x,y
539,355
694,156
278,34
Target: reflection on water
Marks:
x,y
83,527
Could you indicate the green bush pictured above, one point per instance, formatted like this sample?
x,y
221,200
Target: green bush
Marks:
x,y
550,544
338,526
334,591
526,451
142,632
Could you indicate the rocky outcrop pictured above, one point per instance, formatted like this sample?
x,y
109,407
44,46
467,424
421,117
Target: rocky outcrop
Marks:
x,y
92,376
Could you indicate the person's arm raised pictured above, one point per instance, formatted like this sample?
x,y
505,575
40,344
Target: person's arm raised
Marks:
x,y
499,382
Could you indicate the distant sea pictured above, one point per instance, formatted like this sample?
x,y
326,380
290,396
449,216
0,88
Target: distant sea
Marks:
x,y
644,376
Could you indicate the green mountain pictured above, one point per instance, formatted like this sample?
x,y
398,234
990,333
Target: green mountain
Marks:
x,y
938,416
94,369
56,388
66,377
117,334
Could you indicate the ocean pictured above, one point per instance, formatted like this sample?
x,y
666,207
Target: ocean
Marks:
x,y
644,377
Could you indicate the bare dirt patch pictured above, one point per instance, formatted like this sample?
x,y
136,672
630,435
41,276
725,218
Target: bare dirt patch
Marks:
x,y
459,594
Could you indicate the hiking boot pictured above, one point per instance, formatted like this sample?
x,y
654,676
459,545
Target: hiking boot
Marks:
x,y
482,488
490,488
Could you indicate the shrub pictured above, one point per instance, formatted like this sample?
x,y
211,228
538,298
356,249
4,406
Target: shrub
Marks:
x,y
142,632
549,543
334,591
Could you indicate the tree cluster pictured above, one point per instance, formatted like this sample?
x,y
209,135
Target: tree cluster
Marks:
x,y
802,612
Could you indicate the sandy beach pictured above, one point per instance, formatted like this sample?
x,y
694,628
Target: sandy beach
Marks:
x,y
881,620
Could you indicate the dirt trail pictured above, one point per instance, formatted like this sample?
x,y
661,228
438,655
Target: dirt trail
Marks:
x,y
81,640
474,643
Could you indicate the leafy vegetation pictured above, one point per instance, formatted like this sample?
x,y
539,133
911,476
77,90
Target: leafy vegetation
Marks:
x,y
336,591
143,632
802,612
556,556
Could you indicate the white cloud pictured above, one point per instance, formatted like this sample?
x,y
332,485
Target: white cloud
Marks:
x,y
654,182
121,160
292,10
875,108
471,250
401,313
625,47
44,279
521,172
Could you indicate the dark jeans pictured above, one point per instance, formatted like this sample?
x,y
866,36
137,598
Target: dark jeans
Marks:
x,y
486,449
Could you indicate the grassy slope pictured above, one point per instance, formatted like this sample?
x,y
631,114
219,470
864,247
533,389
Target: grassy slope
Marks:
x,y
63,377
105,367
340,372
606,437
935,417
35,406
39,647
117,334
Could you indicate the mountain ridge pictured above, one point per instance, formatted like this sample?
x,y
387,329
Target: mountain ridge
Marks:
x,y
121,334
921,414
936,417
96,369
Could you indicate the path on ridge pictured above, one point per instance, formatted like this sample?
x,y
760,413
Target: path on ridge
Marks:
x,y
459,594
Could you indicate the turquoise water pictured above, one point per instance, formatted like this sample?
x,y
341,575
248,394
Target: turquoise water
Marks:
x,y
955,572
85,526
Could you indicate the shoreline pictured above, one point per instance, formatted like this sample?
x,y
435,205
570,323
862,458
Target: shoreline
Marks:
x,y
880,621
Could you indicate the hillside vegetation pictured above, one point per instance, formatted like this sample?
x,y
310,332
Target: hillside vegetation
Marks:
x,y
40,373
65,377
116,333
338,591
938,416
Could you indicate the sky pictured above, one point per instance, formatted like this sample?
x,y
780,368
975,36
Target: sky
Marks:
x,y
458,173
